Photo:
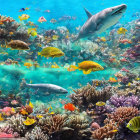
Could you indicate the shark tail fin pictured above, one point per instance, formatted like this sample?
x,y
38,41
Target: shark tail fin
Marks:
x,y
88,13
23,84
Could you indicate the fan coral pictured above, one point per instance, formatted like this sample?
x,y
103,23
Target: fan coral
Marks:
x,y
132,101
122,114
87,96
52,124
107,131
36,134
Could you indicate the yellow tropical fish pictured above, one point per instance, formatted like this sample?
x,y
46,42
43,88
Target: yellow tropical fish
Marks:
x,y
129,84
13,110
31,105
32,32
88,66
54,66
55,37
28,65
51,113
23,17
100,103
103,39
134,124
137,79
39,116
51,52
29,121
121,30
1,118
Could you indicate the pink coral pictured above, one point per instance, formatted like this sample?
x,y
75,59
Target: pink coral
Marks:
x,y
7,111
4,135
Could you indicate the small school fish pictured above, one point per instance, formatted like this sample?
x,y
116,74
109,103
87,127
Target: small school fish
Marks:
x,y
29,121
28,65
42,19
53,20
121,30
134,124
32,32
39,116
51,52
24,17
54,66
100,103
112,80
55,37
88,66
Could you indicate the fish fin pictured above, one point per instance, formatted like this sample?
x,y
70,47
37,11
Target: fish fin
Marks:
x,y
19,18
135,130
88,13
74,67
87,72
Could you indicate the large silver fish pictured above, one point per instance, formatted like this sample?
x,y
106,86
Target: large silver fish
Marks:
x,y
101,21
45,88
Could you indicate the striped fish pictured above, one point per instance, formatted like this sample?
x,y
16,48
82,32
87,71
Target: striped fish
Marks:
x,y
134,124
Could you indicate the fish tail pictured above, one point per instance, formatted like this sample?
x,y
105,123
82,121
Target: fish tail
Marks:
x,y
23,84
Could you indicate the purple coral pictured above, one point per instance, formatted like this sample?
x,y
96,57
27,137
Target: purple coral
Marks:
x,y
130,101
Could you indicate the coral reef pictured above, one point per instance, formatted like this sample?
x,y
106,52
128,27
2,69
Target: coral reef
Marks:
x,y
36,134
122,114
107,131
87,96
51,124
132,101
16,124
9,30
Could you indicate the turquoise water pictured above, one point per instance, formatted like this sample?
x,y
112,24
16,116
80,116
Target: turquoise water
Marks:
x,y
113,53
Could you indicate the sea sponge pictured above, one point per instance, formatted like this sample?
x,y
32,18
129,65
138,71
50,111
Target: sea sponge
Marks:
x,y
122,114
107,131
87,96
36,134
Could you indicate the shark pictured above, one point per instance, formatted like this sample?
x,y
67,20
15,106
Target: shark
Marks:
x,y
46,89
101,21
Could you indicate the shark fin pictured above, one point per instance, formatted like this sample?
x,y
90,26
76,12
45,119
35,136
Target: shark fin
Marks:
x,y
88,13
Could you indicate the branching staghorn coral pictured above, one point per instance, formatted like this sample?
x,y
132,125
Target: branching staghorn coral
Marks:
x,y
52,123
122,114
36,134
88,96
107,131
